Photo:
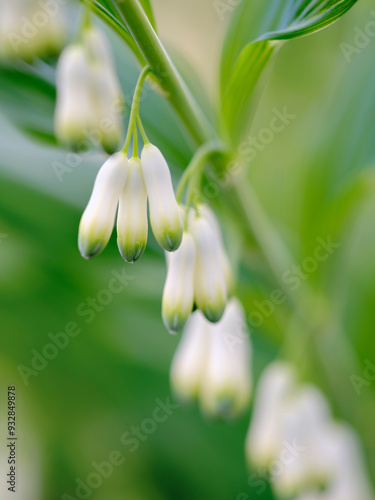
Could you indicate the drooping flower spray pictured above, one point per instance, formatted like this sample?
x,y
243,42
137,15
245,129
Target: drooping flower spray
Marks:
x,y
89,96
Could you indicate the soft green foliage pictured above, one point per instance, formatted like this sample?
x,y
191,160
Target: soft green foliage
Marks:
x,y
314,180
281,21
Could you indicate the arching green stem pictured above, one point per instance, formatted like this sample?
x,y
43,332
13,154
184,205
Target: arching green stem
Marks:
x,y
170,80
135,106
135,141
142,130
196,166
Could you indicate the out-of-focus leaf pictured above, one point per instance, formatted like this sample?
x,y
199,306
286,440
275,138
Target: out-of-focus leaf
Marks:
x,y
249,21
27,98
239,100
281,21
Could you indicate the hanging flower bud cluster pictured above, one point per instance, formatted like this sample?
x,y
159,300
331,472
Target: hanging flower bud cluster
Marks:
x,y
213,363
293,436
29,28
198,273
89,96
126,184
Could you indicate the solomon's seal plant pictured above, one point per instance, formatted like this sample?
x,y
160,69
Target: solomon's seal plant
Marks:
x,y
201,296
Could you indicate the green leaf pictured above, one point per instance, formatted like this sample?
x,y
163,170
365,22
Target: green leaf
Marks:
x,y
281,21
27,98
108,11
309,17
239,102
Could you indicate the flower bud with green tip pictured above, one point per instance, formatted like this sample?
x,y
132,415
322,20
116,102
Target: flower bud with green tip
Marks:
x,y
224,260
189,360
209,283
74,114
165,215
106,91
227,378
350,479
132,226
178,295
89,97
24,34
98,47
98,219
108,126
276,385
305,419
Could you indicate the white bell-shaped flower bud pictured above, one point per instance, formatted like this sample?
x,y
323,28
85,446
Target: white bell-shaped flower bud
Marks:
x,y
227,379
108,125
29,28
303,461
209,282
189,360
55,31
349,480
178,295
132,226
99,48
75,113
263,439
165,215
347,466
98,219
89,97
106,89
224,260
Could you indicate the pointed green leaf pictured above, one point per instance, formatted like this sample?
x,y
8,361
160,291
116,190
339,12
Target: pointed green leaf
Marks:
x,y
281,21
310,17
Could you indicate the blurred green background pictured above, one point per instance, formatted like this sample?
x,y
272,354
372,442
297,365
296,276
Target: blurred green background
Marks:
x,y
315,179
